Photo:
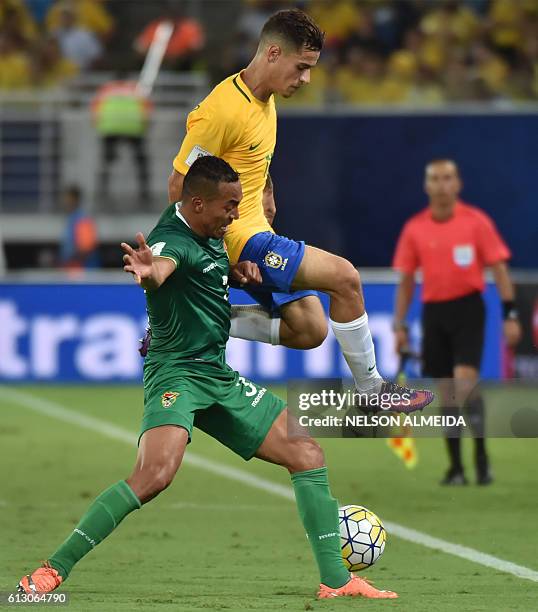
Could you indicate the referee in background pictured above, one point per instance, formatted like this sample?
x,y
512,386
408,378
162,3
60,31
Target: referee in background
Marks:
x,y
452,242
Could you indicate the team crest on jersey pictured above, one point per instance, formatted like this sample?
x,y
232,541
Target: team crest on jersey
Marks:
x,y
168,398
274,260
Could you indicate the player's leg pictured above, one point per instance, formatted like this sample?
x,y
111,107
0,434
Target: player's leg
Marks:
x,y
286,266
292,319
341,281
251,421
318,509
303,324
159,456
295,320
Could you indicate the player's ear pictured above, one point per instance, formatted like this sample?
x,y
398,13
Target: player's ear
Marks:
x,y
198,204
273,53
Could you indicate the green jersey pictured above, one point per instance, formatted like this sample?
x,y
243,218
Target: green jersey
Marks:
x,y
189,313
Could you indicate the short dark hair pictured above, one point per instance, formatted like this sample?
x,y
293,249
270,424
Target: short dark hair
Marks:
x,y
296,28
206,173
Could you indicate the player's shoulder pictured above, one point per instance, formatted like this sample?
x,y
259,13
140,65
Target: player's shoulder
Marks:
x,y
169,228
228,98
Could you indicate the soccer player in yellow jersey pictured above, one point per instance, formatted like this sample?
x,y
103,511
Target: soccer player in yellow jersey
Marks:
x,y
237,121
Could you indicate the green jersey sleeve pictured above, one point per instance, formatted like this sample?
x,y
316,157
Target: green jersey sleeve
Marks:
x,y
169,245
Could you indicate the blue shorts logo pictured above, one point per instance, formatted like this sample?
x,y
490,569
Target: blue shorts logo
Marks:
x,y
274,260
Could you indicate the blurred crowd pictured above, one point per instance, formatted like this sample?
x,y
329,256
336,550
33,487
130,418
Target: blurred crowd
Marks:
x,y
416,52
44,43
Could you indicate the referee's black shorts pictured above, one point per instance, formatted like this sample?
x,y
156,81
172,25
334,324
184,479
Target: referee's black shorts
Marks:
x,y
453,334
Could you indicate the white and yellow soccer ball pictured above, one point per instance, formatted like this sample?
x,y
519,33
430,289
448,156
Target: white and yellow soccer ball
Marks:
x,y
362,537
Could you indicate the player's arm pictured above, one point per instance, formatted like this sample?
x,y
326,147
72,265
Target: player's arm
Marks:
x,y
211,130
268,200
148,271
505,287
175,186
404,295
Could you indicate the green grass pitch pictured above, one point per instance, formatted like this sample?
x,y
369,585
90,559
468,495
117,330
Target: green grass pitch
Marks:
x,y
211,543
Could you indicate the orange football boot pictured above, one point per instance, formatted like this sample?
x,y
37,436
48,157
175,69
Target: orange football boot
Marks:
x,y
356,587
44,580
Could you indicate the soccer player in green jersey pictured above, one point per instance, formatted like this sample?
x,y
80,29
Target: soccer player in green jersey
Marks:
x,y
184,271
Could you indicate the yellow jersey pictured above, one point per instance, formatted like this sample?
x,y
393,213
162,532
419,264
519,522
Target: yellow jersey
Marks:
x,y
234,125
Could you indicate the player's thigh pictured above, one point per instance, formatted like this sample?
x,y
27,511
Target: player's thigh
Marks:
x,y
325,272
173,395
241,416
305,314
162,446
277,257
289,445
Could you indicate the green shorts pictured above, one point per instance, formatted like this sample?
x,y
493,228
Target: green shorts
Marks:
x,y
215,399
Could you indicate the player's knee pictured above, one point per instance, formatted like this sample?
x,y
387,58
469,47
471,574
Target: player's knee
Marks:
x,y
152,479
162,476
347,279
308,455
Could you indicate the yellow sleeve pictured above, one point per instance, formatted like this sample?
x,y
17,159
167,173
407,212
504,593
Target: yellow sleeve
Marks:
x,y
210,131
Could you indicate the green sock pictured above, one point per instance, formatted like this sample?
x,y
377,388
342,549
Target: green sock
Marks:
x,y
319,512
102,517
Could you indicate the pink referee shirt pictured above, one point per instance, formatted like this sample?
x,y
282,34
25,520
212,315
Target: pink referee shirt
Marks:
x,y
452,254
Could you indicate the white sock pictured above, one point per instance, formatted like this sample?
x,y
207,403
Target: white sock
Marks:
x,y
357,347
254,322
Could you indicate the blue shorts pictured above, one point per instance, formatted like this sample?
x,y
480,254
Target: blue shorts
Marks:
x,y
278,259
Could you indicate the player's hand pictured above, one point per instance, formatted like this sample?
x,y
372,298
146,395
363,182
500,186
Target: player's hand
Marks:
x,y
512,332
246,273
401,341
139,262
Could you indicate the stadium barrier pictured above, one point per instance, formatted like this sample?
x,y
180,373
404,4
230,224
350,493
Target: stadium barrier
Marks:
x,y
70,332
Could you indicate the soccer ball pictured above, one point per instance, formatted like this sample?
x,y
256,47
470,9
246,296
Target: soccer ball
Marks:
x,y
362,537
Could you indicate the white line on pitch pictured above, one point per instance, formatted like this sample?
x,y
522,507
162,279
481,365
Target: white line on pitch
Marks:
x,y
57,411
